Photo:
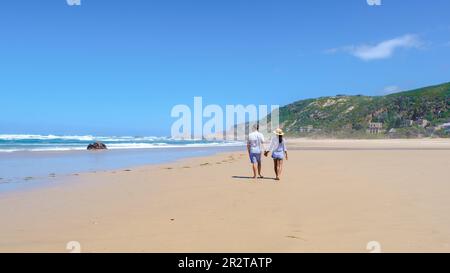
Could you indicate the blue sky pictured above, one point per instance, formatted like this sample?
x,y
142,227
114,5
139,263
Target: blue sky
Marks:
x,y
118,67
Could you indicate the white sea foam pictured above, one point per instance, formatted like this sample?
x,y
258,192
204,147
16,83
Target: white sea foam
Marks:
x,y
168,145
16,143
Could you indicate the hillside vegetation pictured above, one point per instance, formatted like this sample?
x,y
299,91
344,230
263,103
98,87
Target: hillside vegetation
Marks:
x,y
416,113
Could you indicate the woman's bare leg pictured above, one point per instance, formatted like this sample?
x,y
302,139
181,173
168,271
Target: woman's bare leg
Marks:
x,y
280,167
276,164
275,167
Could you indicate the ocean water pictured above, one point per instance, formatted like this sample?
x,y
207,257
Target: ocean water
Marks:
x,y
41,143
26,160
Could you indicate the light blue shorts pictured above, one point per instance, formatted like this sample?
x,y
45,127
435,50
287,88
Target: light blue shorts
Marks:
x,y
278,155
255,158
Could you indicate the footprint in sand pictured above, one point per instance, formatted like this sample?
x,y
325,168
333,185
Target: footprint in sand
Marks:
x,y
168,168
294,237
204,164
127,170
186,167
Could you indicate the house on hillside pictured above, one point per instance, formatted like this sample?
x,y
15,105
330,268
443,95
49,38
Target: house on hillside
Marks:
x,y
307,129
375,128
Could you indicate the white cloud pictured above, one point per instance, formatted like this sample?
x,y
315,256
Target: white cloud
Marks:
x,y
382,50
391,89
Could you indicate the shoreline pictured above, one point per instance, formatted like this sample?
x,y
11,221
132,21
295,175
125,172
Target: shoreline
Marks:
x,y
45,166
301,144
63,179
328,201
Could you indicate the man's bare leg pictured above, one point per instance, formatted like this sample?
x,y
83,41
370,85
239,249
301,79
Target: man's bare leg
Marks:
x,y
259,170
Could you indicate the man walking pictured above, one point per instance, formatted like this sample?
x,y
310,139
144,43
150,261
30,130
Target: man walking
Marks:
x,y
255,147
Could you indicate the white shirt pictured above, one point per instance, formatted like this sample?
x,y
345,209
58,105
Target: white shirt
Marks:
x,y
255,141
275,145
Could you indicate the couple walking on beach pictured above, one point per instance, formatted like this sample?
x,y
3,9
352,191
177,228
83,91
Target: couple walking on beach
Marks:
x,y
255,148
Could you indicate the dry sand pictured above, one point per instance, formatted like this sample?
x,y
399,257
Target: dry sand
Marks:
x,y
335,196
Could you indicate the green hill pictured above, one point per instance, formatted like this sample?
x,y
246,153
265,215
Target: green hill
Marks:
x,y
415,113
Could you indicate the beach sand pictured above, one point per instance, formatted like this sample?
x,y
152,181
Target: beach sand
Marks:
x,y
335,196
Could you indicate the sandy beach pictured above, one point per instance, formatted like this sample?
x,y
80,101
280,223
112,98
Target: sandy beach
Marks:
x,y
335,196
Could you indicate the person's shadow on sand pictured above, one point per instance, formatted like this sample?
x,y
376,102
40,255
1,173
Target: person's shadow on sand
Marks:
x,y
250,177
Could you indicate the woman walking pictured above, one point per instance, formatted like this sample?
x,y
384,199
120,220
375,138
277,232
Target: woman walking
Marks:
x,y
279,152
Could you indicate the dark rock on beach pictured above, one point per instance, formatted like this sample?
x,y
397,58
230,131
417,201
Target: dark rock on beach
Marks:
x,y
97,146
